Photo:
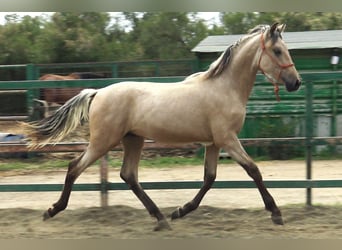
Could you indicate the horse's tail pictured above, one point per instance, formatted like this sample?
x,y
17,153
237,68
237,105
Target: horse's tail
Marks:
x,y
66,119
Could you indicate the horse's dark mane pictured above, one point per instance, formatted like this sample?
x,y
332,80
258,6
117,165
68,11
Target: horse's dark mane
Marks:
x,y
259,28
262,28
217,67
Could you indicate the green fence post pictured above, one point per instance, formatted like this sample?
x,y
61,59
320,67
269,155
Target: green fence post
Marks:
x,y
195,65
115,70
334,109
334,99
31,74
157,69
309,135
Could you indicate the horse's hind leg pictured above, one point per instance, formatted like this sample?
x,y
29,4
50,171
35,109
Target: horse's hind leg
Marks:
x,y
236,151
129,173
76,167
211,157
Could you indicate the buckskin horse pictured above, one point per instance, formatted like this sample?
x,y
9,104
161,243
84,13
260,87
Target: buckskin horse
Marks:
x,y
207,107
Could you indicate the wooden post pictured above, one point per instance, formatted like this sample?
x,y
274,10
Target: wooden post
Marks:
x,y
309,135
104,180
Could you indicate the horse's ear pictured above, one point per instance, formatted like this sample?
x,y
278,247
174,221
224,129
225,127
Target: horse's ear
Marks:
x,y
281,28
276,30
273,29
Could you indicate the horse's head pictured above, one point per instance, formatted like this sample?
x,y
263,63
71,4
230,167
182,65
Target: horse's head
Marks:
x,y
275,61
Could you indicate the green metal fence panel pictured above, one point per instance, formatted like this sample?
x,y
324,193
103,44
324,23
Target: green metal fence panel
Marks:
x,y
174,185
85,83
321,94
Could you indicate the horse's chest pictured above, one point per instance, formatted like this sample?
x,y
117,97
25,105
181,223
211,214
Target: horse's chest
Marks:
x,y
234,120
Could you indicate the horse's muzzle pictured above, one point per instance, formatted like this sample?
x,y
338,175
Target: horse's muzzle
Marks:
x,y
293,86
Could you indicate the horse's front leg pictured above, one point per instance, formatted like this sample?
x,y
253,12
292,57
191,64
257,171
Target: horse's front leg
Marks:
x,y
234,148
211,157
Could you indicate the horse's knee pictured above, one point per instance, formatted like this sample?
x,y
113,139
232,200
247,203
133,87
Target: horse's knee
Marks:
x,y
209,178
210,173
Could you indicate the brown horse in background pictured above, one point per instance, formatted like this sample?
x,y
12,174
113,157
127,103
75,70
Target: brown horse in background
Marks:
x,y
62,95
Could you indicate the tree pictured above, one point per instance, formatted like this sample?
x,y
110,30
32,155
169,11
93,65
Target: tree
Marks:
x,y
96,36
167,35
325,21
77,37
238,22
296,21
122,39
17,38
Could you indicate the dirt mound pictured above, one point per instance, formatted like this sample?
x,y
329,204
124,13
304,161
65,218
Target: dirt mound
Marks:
x,y
124,222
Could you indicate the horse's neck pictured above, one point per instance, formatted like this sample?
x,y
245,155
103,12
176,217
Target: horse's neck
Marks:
x,y
243,69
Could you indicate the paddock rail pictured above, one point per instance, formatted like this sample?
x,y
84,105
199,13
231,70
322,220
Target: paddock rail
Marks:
x,y
104,185
308,107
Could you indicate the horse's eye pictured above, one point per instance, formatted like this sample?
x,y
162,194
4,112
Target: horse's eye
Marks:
x,y
277,51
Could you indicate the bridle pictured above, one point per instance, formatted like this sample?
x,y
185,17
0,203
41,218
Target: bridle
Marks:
x,y
279,65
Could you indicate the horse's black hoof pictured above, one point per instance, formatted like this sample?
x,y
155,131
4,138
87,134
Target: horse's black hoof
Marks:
x,y
162,225
46,215
277,219
176,214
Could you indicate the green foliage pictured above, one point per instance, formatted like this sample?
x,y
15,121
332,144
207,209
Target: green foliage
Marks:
x,y
17,40
166,35
94,36
97,36
241,22
32,164
44,163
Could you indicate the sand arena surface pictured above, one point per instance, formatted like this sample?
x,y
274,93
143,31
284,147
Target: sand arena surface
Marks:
x,y
228,213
